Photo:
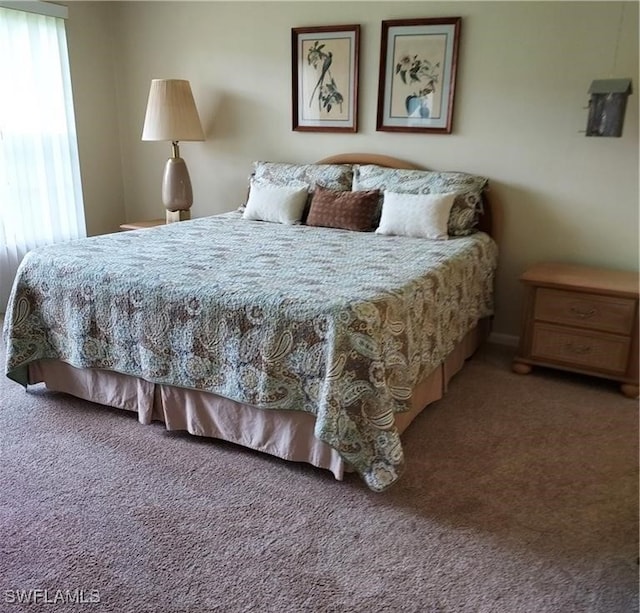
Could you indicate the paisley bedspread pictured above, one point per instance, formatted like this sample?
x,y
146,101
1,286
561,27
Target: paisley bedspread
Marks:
x,y
336,323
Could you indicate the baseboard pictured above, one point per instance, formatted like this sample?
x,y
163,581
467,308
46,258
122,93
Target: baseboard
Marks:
x,y
504,339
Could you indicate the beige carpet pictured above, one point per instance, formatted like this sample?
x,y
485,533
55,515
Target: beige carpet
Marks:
x,y
521,495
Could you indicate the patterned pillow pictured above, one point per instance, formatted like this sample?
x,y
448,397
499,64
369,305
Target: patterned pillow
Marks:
x,y
468,189
347,210
332,176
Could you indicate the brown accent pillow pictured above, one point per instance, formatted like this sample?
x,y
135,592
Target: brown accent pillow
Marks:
x,y
347,210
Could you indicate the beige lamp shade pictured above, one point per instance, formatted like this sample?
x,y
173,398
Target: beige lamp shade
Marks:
x,y
171,112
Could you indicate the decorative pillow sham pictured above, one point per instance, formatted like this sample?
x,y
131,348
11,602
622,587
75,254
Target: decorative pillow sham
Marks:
x,y
468,189
276,203
347,210
417,215
332,176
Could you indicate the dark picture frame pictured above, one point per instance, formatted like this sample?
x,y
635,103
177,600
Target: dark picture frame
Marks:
x,y
324,78
417,80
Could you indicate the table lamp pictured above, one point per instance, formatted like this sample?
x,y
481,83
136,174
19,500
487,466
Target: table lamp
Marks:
x,y
172,116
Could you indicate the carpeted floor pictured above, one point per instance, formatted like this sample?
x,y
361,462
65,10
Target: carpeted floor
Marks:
x,y
521,495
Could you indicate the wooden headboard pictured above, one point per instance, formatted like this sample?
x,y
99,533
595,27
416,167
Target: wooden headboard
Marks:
x,y
485,222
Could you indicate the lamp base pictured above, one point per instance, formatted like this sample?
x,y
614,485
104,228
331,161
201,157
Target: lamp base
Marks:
x,y
176,186
173,216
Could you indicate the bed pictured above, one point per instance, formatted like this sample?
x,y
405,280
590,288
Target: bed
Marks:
x,y
315,340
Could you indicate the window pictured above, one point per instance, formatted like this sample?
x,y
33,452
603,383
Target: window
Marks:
x,y
40,189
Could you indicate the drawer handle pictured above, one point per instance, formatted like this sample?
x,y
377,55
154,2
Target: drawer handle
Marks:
x,y
578,312
578,349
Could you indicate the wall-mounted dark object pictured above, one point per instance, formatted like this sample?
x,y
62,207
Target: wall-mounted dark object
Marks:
x,y
607,106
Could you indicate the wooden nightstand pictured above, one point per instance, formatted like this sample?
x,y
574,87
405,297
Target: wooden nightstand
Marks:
x,y
139,225
172,217
581,319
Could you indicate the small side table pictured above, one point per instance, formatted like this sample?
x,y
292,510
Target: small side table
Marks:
x,y
172,217
139,225
581,319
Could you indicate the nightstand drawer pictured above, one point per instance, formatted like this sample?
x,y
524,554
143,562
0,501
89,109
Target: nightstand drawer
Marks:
x,y
592,311
605,352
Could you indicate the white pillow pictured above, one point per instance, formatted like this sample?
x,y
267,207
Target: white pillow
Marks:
x,y
418,215
281,204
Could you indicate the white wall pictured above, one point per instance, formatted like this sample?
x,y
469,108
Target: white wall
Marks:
x,y
90,34
524,71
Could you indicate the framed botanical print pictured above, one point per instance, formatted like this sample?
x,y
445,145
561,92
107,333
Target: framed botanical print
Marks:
x,y
325,78
418,61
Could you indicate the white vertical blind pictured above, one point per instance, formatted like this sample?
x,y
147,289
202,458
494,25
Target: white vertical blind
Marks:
x,y
40,189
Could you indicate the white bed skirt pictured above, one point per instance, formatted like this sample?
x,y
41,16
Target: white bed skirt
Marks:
x,y
285,434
